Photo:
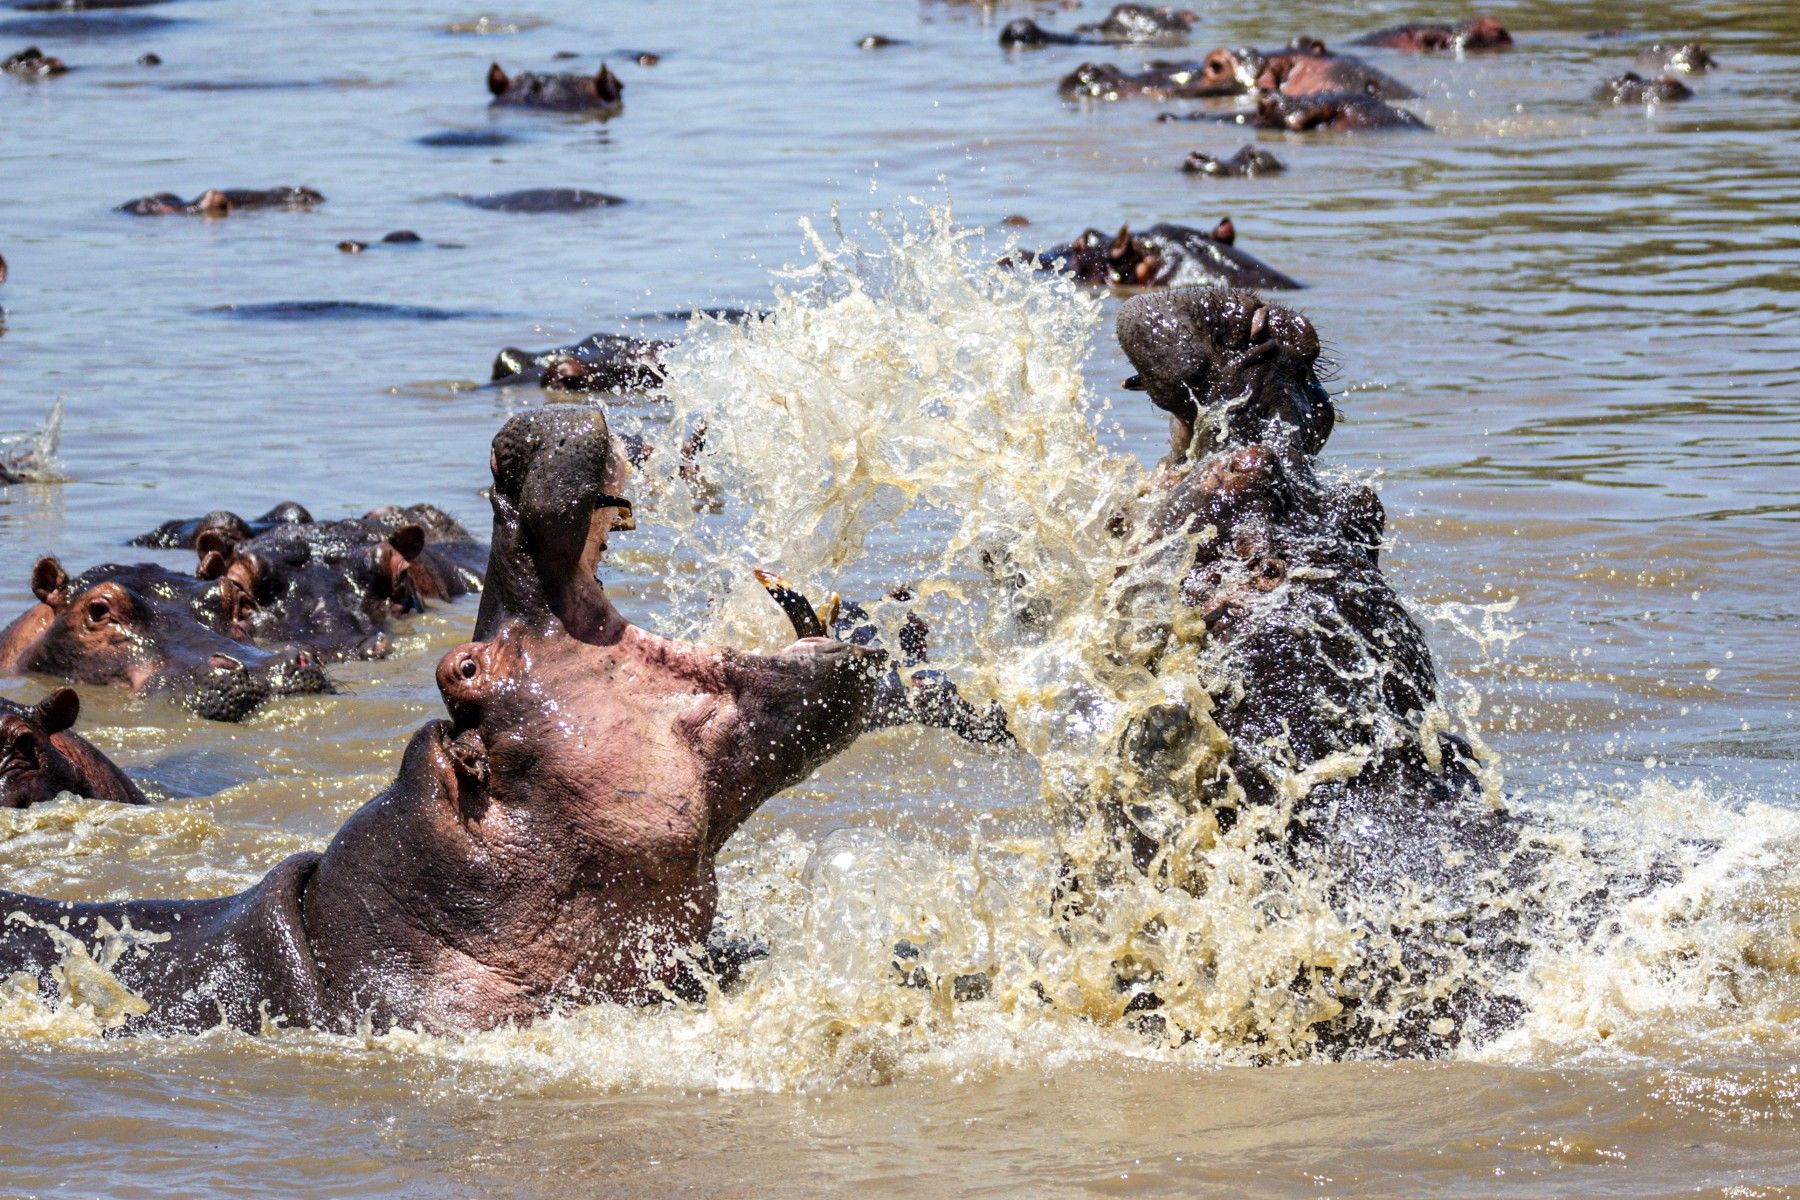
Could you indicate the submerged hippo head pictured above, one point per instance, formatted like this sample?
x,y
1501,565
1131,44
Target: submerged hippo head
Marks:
x,y
1251,368
599,93
41,756
328,586
147,627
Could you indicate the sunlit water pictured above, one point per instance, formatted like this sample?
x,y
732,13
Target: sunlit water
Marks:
x,y
1566,348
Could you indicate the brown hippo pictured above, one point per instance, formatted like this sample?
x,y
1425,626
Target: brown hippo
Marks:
x,y
41,756
601,362
1340,111
182,532
153,630
1247,163
221,202
1306,67
551,844
1632,88
1482,33
32,63
1126,24
1159,81
1687,58
1163,255
600,94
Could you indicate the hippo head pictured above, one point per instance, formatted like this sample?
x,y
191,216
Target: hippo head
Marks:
x,y
600,92
1483,33
328,586
33,769
145,626
1249,367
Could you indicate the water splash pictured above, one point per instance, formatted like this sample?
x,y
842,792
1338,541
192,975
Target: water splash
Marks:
x,y
29,456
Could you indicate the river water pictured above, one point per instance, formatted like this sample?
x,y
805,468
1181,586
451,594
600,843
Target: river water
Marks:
x,y
1566,349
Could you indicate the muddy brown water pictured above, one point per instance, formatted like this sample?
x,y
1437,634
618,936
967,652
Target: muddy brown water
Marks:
x,y
1565,340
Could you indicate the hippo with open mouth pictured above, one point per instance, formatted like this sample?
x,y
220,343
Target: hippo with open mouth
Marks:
x,y
41,756
550,844
153,630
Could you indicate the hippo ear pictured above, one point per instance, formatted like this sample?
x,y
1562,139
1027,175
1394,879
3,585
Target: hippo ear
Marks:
x,y
497,80
1225,232
48,580
607,85
57,711
214,551
408,541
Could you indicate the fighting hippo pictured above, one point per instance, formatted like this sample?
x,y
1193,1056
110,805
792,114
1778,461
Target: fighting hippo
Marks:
x,y
1305,68
601,362
1318,679
151,629
550,844
1482,33
222,202
182,532
32,63
1632,88
1247,163
1687,58
1341,111
1126,24
600,94
1163,255
41,756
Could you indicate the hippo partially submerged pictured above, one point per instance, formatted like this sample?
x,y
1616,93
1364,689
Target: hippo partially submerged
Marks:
x,y
1632,88
32,63
222,202
1163,255
550,844
1345,112
1247,163
1685,58
153,630
600,94
41,756
1305,68
1126,24
601,362
1481,33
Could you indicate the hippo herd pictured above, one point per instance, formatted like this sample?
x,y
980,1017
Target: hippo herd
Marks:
x,y
551,840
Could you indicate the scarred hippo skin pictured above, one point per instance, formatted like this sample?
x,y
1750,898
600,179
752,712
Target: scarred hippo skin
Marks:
x,y
181,533
1340,111
41,756
1317,656
1688,58
1163,256
153,630
32,63
1304,68
551,844
1482,33
1632,88
599,94
221,202
1247,163
601,362
544,200
1126,24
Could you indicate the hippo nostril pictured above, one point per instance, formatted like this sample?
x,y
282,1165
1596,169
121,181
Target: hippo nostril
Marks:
x,y
303,660
224,662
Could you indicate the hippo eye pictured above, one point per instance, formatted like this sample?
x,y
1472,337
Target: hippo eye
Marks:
x,y
97,611
467,670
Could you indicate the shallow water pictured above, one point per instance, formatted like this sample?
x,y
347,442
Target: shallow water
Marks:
x,y
1566,340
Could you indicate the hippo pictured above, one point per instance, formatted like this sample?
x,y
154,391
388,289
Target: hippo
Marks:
x,y
543,200
1307,656
399,237
1126,24
182,532
551,843
1632,88
328,586
600,94
1158,81
153,630
1163,255
1247,163
41,756
1482,33
467,138
1306,67
32,63
220,202
1687,58
879,41
601,362
1341,111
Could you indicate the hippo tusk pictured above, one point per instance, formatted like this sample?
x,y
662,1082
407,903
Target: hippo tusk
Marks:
x,y
799,610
